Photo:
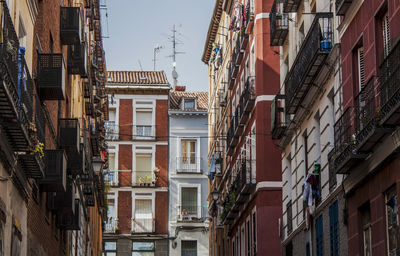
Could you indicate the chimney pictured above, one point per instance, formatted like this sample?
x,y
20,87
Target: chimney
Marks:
x,y
180,88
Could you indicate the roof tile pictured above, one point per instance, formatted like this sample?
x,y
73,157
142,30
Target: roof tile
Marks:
x,y
137,77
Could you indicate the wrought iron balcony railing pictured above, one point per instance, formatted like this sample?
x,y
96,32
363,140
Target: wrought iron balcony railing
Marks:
x,y
77,59
55,176
279,24
278,118
191,212
249,17
143,132
389,88
143,223
247,99
69,221
111,178
291,5
112,130
342,6
309,61
51,76
69,136
71,25
111,225
144,179
63,201
188,164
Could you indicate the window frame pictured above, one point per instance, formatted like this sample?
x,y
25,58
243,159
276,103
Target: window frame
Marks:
x,y
104,248
153,250
143,196
187,185
142,149
187,241
197,152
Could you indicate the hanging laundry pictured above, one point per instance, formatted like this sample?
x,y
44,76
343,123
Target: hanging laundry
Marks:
x,y
307,192
237,18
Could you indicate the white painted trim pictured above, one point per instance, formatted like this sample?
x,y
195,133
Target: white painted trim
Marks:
x,y
265,98
188,185
269,184
262,15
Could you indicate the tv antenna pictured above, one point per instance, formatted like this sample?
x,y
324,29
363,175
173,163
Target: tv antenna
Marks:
x,y
175,41
157,48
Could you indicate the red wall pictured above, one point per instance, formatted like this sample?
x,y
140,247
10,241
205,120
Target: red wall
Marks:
x,y
125,163
124,211
125,119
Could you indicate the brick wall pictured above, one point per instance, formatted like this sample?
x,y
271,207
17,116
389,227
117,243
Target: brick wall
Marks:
x,y
124,211
162,212
125,163
162,120
162,165
125,119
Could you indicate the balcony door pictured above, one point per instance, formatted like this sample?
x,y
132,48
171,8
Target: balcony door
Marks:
x,y
189,203
111,222
143,169
143,216
144,120
188,157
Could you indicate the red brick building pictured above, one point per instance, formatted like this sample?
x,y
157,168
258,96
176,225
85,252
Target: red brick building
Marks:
x,y
244,163
137,179
367,134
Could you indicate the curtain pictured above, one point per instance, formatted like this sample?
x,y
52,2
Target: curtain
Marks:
x,y
189,201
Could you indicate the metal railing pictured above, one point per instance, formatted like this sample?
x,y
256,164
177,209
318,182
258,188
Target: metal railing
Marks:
x,y
111,225
278,119
143,132
309,60
188,164
70,25
111,130
143,224
111,178
279,24
192,213
144,179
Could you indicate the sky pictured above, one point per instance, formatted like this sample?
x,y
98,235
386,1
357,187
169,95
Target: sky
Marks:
x,y
136,27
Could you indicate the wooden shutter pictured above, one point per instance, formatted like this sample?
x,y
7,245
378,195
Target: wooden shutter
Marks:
x,y
361,69
319,236
386,35
333,229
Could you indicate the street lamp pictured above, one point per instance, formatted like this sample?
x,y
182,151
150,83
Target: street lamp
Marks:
x,y
97,164
215,194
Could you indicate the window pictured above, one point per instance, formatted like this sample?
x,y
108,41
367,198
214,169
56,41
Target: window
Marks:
x,y
366,229
16,241
143,216
142,248
319,236
111,177
22,33
289,225
333,229
386,34
289,249
254,234
143,169
188,148
392,222
144,123
110,248
189,199
301,35
189,103
111,224
361,68
189,248
1,237
248,238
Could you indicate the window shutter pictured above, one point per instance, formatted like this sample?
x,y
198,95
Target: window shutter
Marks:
x,y
361,69
386,35
319,236
333,228
143,118
143,215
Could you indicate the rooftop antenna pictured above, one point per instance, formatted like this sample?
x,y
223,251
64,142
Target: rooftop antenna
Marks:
x,y
156,49
174,40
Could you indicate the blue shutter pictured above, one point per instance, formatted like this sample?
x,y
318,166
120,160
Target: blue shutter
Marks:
x,y
319,236
333,229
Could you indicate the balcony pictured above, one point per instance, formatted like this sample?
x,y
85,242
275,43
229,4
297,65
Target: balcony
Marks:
x,y
69,221
389,88
231,76
291,5
55,176
279,24
97,30
144,179
51,76
76,162
111,225
69,136
143,132
89,200
249,18
245,181
342,6
88,89
191,213
231,138
247,100
238,55
95,138
62,202
111,178
145,224
278,119
112,130
89,106
96,9
77,59
368,131
188,165
71,25
345,143
309,61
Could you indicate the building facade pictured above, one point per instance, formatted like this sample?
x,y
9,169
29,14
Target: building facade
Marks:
x,y
245,192
137,179
52,62
366,133
303,118
188,173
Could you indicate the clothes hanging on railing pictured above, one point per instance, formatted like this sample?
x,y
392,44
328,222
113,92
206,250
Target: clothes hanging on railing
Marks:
x,y
311,189
238,17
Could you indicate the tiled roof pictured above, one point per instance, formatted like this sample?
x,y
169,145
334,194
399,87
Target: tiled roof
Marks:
x,y
137,77
176,98
212,31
